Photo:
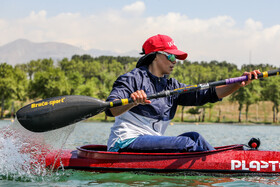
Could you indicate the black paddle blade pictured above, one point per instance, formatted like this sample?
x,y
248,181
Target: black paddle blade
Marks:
x,y
53,113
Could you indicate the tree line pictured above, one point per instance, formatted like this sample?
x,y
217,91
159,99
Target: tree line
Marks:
x,y
94,76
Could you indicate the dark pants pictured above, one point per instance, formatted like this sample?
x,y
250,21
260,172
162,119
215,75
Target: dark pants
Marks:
x,y
190,141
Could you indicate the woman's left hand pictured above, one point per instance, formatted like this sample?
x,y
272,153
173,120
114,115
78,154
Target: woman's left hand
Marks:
x,y
249,74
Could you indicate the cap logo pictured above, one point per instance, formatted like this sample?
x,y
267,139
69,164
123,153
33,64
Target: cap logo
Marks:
x,y
170,44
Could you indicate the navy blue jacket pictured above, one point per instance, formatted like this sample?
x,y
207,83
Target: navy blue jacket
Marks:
x,y
161,108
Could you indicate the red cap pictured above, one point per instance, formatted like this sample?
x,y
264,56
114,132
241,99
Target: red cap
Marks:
x,y
163,43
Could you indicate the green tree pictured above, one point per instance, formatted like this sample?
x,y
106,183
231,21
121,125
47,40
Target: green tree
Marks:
x,y
20,78
36,65
30,68
93,69
253,96
49,83
7,85
209,106
247,96
71,66
272,93
240,97
75,79
13,84
89,88
195,111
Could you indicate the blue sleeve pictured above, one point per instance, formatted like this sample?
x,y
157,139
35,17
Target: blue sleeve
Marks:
x,y
123,87
196,98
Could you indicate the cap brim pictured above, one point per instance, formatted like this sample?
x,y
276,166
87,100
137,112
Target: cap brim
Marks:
x,y
179,54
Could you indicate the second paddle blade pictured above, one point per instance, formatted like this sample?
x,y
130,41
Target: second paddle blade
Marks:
x,y
53,113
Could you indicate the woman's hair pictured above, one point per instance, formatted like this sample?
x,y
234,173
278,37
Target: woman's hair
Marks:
x,y
146,59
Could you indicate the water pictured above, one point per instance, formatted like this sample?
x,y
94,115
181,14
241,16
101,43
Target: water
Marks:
x,y
14,170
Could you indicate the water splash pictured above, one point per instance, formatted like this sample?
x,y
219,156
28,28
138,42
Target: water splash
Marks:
x,y
18,157
22,153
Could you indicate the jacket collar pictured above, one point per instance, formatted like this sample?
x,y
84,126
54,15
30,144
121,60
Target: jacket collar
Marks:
x,y
155,79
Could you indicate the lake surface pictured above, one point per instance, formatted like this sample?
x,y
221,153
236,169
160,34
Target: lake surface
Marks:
x,y
15,172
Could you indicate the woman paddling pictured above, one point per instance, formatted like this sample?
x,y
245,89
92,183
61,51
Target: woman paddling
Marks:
x,y
140,126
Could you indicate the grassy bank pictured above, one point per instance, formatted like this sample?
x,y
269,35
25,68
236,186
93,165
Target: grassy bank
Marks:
x,y
222,112
227,112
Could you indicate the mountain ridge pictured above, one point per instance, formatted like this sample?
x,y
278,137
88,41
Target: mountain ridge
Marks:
x,y
23,50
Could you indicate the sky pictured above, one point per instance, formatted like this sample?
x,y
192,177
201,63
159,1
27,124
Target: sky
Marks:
x,y
236,31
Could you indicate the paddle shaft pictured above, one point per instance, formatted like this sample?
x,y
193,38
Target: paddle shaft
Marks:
x,y
196,87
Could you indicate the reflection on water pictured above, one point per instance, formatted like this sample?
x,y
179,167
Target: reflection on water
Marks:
x,y
19,147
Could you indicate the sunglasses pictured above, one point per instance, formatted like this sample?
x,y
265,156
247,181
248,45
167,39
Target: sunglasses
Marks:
x,y
170,57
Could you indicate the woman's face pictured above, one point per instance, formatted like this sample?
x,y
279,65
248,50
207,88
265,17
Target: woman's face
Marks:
x,y
164,65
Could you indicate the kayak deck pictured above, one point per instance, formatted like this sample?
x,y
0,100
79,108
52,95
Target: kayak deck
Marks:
x,y
225,159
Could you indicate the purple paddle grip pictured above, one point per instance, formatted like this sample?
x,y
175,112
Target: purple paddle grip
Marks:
x,y
236,79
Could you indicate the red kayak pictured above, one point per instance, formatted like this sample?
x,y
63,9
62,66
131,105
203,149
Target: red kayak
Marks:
x,y
226,159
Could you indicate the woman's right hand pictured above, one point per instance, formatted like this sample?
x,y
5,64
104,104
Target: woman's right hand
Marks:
x,y
140,97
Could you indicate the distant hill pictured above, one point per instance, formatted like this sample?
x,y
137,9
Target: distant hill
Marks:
x,y
23,51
